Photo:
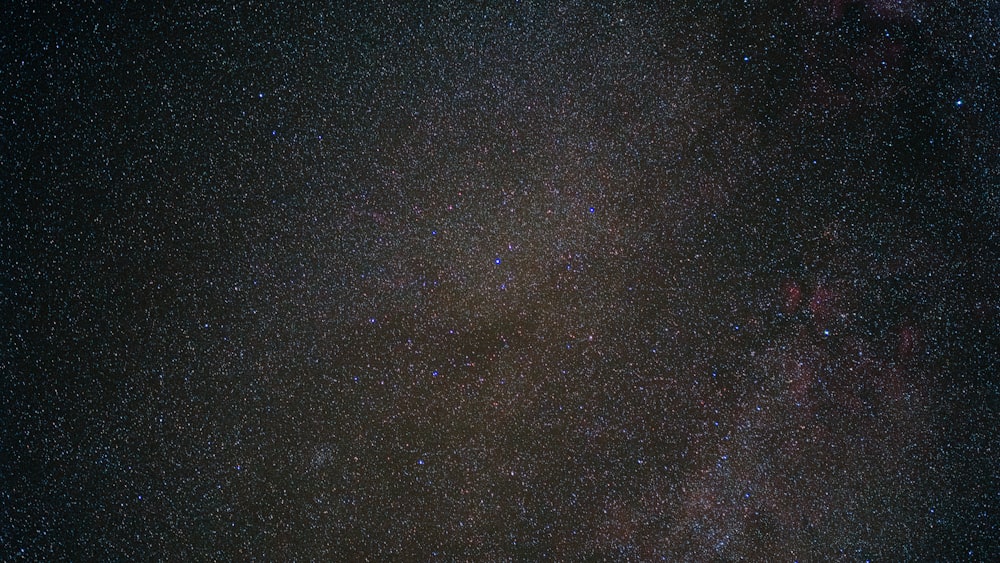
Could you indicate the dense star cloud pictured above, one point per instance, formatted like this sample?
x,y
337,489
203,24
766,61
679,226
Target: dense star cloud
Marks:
x,y
582,280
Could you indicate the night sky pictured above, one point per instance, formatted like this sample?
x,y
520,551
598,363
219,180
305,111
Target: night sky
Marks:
x,y
701,281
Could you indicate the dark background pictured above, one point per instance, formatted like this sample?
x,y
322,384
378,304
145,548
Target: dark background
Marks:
x,y
479,281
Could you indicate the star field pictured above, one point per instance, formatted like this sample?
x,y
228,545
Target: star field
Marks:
x,y
526,281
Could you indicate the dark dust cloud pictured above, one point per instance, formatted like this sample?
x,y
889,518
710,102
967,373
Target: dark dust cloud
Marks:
x,y
703,281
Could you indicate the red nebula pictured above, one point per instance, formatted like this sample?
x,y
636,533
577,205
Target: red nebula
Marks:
x,y
792,295
822,305
909,342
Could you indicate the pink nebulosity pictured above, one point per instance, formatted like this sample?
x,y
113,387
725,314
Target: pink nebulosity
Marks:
x,y
791,297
